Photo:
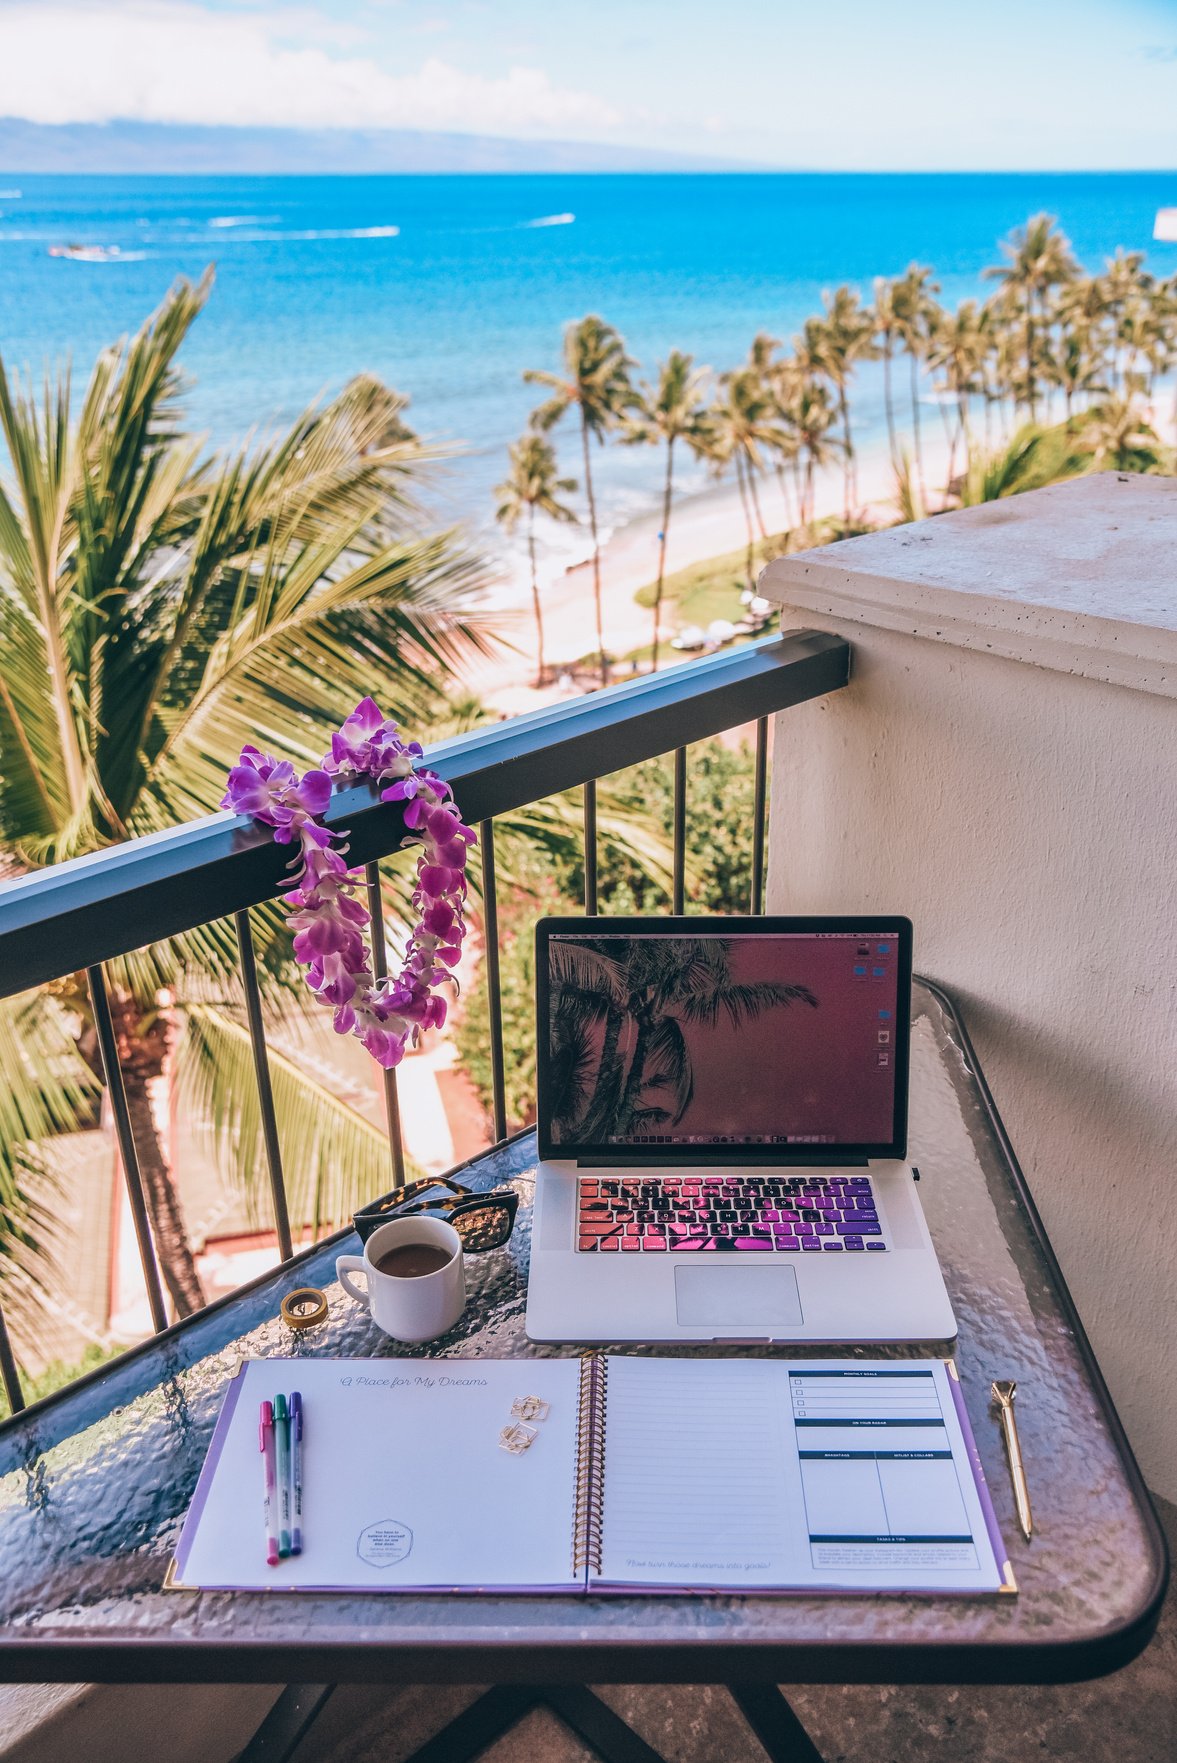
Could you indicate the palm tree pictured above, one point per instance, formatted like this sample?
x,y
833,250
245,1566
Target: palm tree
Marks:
x,y
1038,259
530,485
957,347
672,411
777,378
639,993
843,337
914,309
887,329
596,383
1075,365
741,427
811,417
157,610
1122,438
1126,286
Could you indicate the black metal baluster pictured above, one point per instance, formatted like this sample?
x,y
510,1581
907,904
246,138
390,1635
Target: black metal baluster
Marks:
x,y
392,1107
759,815
112,1072
490,921
8,1369
680,829
265,1090
590,846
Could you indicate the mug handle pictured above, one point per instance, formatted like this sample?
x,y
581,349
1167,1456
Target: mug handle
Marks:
x,y
344,1267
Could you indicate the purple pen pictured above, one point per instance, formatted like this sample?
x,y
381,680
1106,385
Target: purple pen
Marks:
x,y
296,1470
265,1434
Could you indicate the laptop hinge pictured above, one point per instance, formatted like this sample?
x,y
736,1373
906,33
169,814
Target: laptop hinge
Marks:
x,y
699,1156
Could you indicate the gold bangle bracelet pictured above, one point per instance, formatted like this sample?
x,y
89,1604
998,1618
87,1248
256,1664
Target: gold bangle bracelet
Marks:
x,y
304,1308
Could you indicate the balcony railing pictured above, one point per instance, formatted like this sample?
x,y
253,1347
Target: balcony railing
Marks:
x,y
74,917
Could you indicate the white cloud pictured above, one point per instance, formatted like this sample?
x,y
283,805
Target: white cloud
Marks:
x,y
173,61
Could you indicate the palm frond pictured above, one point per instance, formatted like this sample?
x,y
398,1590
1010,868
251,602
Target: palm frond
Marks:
x,y
668,1064
333,1158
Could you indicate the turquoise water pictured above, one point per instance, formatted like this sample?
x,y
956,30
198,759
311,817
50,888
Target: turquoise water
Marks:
x,y
470,290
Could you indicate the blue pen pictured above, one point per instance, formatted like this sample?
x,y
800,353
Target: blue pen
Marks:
x,y
285,1496
296,1470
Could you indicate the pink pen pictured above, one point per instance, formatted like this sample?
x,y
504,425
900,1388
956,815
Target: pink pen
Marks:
x,y
265,1433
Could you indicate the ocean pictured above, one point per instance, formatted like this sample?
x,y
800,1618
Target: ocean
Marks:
x,y
448,287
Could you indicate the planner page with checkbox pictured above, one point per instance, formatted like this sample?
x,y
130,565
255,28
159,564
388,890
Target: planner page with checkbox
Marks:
x,y
838,1475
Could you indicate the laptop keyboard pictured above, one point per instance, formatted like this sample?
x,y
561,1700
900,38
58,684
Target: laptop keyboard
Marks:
x,y
774,1214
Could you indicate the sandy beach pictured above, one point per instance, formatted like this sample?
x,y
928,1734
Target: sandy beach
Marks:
x,y
704,525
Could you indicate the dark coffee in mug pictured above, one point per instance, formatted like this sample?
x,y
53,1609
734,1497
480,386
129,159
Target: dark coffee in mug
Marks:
x,y
412,1260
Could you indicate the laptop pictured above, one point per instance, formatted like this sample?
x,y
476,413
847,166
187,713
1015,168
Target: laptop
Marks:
x,y
722,1127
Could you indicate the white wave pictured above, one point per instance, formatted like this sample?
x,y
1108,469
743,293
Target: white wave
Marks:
x,y
223,220
551,220
354,232
9,195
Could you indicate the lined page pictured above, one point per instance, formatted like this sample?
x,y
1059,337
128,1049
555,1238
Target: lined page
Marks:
x,y
840,1475
405,1484
700,1486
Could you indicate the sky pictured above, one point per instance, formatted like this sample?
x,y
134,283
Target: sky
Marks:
x,y
916,84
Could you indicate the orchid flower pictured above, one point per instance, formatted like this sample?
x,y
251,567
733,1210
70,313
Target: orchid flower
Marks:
x,y
327,917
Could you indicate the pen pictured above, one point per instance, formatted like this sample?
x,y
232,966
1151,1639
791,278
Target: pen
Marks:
x,y
1004,1391
266,1446
296,1470
285,1492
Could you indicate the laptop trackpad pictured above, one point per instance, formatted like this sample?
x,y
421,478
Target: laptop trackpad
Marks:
x,y
724,1297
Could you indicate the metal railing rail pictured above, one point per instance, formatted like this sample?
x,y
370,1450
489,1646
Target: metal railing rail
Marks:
x,y
75,916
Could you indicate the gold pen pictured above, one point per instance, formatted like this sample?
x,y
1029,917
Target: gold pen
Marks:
x,y
1004,1391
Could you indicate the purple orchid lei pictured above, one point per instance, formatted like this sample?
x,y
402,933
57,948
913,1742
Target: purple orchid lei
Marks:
x,y
328,919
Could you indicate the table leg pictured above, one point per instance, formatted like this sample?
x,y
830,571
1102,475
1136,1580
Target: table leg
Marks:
x,y
774,1723
494,1713
287,1723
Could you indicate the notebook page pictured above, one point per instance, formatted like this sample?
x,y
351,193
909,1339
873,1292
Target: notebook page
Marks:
x,y
405,1484
838,1475
699,1478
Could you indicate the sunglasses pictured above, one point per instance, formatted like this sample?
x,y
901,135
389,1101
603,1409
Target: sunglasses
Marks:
x,y
483,1221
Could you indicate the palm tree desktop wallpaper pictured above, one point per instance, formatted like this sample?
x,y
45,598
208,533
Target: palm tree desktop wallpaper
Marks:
x,y
702,1040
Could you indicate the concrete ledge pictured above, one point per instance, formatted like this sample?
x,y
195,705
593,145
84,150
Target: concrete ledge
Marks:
x,y
1078,578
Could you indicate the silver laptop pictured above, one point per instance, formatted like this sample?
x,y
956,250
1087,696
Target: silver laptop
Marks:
x,y
722,1121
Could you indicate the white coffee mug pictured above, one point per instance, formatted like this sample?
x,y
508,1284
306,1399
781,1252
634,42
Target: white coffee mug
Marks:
x,y
415,1307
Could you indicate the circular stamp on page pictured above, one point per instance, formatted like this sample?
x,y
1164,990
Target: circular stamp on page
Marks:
x,y
384,1543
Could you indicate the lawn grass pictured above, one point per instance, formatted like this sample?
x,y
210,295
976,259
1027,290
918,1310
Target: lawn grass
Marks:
x,y
711,588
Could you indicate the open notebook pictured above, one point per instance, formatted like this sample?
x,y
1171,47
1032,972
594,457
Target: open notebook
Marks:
x,y
662,1474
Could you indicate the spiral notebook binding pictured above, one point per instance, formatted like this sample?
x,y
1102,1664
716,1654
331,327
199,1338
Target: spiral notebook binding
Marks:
x,y
590,1467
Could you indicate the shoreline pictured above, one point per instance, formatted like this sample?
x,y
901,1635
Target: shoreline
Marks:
x,y
706,524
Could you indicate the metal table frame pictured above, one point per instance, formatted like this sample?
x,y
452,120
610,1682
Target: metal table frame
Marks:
x,y
83,1599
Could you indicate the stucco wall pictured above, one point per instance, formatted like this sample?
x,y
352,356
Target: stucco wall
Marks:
x,y
1026,820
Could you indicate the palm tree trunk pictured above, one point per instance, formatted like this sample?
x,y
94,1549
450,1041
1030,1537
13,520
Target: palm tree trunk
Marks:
x,y
142,1051
662,537
888,403
633,1083
592,505
799,488
747,520
539,622
783,481
848,461
1031,387
598,1119
950,444
915,424
755,500
809,489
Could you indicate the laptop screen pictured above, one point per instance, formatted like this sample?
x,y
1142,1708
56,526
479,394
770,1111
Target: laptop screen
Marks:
x,y
789,1042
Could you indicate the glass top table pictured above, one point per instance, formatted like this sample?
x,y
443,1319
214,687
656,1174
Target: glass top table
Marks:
x,y
94,1485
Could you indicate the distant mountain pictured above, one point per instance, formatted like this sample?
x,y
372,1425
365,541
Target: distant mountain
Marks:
x,y
178,148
